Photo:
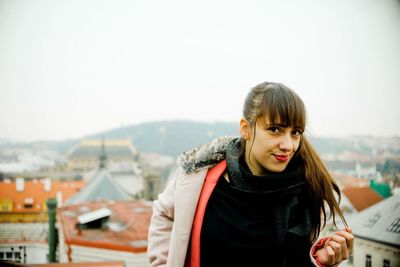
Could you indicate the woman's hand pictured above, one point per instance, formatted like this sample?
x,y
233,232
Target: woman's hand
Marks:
x,y
336,248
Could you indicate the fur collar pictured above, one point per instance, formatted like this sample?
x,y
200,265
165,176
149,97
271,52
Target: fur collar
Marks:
x,y
204,156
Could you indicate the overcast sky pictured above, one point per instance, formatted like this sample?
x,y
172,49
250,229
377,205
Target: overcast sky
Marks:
x,y
76,67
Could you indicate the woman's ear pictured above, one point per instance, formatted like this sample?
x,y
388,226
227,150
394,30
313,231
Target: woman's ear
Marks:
x,y
244,129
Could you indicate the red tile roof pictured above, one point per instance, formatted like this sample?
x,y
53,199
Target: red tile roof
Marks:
x,y
133,218
34,191
362,197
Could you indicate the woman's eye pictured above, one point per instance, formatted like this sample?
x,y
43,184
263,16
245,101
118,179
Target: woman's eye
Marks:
x,y
297,132
274,129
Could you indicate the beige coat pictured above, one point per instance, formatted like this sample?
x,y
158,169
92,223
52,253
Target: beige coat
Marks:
x,y
172,219
173,212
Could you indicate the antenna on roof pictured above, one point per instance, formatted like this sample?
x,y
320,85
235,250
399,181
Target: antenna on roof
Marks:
x,y
103,155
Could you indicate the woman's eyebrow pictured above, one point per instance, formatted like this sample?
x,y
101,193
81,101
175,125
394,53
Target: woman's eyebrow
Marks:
x,y
283,126
278,124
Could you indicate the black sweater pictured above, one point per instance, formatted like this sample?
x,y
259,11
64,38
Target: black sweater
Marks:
x,y
237,229
244,227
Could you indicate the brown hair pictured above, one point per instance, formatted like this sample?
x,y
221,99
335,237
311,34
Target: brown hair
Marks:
x,y
277,102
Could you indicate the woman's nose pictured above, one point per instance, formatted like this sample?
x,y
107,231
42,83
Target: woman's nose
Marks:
x,y
286,142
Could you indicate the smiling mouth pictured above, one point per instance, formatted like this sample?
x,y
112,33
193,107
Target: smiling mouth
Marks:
x,y
282,158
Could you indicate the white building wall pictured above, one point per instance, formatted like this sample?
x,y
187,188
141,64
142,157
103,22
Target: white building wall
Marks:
x,y
23,231
37,253
378,252
88,254
31,253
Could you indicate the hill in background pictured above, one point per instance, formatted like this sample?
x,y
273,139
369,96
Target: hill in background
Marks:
x,y
164,137
173,137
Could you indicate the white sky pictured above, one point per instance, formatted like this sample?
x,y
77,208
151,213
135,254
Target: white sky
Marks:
x,y
75,67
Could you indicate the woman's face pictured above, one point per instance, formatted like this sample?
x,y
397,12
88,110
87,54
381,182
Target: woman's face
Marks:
x,y
269,146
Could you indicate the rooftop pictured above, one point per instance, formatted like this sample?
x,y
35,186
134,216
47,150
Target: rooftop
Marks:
x,y
100,187
113,148
30,196
126,231
380,222
361,197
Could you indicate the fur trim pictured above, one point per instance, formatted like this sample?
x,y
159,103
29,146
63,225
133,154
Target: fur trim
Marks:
x,y
204,156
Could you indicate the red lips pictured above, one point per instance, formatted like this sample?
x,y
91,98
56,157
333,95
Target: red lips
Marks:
x,y
282,158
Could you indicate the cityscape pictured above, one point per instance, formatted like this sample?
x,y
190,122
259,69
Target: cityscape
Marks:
x,y
91,201
99,99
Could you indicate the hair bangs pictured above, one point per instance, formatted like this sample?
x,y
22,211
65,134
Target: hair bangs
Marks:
x,y
280,105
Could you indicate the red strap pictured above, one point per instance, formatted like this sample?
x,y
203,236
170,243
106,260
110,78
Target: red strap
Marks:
x,y
211,180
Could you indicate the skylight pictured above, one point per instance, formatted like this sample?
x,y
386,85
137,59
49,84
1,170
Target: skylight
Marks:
x,y
94,219
372,220
394,226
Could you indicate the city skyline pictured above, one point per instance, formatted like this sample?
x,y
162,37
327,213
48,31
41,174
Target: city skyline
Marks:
x,y
75,68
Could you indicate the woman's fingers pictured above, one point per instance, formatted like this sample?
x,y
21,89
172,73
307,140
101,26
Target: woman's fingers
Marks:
x,y
326,255
348,236
337,247
341,246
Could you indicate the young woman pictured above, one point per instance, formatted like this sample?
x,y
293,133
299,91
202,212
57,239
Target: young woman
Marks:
x,y
257,200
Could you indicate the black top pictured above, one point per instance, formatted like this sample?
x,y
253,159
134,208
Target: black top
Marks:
x,y
237,229
257,220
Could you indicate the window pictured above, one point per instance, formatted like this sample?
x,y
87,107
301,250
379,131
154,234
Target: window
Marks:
x,y
386,263
394,226
20,184
368,260
28,202
372,220
16,254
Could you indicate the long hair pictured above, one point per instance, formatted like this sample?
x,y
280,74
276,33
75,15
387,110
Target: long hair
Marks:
x,y
277,102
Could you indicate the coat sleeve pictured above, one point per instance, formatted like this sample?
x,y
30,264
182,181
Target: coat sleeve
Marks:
x,y
161,226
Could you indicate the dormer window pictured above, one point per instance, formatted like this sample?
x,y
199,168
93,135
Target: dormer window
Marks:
x,y
29,202
20,184
94,219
